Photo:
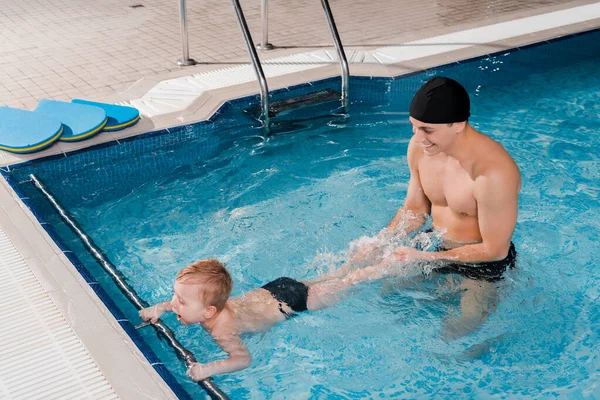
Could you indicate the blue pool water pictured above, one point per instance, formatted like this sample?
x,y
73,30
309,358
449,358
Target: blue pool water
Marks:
x,y
290,205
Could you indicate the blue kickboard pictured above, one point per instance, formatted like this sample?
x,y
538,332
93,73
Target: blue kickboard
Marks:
x,y
23,131
80,121
119,117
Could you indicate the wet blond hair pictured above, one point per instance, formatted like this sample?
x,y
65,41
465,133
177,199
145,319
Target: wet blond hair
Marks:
x,y
214,279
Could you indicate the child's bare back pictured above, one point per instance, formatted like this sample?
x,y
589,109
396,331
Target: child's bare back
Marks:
x,y
255,311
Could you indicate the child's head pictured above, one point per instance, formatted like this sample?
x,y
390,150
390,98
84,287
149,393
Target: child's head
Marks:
x,y
201,291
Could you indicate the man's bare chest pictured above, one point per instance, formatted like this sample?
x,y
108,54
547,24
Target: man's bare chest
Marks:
x,y
447,184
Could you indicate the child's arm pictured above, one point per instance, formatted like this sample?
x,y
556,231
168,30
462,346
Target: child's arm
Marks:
x,y
154,312
239,358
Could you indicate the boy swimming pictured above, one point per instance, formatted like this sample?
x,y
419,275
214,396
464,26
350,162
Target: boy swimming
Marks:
x,y
201,296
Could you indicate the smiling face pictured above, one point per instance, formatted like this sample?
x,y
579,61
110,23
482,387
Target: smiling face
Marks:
x,y
435,138
187,305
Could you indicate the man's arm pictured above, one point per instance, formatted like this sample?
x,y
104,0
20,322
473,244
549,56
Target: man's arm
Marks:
x,y
239,358
497,206
406,220
416,205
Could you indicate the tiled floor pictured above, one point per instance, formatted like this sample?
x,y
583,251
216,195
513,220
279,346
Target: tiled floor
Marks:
x,y
63,49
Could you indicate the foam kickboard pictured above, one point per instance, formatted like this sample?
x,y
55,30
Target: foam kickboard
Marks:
x,y
23,131
80,121
119,117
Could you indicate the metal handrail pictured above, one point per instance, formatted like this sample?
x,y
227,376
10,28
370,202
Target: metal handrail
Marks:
x,y
185,59
340,51
264,89
264,21
207,384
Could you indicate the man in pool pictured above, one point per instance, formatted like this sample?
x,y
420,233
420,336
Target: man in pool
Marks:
x,y
201,296
469,185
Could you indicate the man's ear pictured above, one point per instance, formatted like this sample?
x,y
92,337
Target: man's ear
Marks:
x,y
459,126
210,312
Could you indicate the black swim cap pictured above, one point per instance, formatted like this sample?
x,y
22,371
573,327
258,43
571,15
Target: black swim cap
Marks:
x,y
441,101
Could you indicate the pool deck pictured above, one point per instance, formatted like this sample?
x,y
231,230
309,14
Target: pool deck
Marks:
x,y
60,338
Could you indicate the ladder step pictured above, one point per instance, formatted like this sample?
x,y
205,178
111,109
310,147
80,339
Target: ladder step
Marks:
x,y
307,100
284,106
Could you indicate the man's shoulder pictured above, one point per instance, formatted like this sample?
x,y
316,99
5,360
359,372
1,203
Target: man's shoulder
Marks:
x,y
496,165
494,153
414,152
412,144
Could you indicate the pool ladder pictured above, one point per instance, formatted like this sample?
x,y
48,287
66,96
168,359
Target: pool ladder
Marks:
x,y
264,89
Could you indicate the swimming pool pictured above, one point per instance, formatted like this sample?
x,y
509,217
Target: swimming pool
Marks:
x,y
289,205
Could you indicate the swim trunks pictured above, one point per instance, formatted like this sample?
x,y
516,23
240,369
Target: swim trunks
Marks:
x,y
288,291
490,271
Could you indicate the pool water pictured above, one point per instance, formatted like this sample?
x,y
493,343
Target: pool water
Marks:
x,y
290,205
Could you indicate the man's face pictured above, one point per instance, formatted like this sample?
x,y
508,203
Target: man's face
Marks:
x,y
433,138
187,305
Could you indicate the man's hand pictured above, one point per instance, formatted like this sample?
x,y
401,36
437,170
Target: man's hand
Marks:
x,y
153,313
364,253
198,372
405,254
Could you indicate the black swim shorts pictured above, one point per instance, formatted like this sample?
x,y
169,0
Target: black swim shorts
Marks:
x,y
490,271
290,292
